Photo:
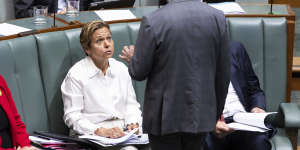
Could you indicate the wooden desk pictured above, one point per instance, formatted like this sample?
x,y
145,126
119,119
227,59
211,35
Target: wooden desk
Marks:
x,y
295,83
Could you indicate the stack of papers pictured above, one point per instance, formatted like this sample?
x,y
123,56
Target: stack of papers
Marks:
x,y
50,143
10,29
110,15
228,7
41,140
129,138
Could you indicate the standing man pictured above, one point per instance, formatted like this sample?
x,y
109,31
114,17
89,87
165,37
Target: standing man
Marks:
x,y
182,52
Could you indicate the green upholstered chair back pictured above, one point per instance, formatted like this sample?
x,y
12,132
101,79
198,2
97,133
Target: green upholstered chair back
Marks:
x,y
58,51
266,44
20,68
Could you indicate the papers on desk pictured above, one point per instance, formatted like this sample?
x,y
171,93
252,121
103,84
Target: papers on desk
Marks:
x,y
109,15
228,7
41,140
10,29
52,144
129,138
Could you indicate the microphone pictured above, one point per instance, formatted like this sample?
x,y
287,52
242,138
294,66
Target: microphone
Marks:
x,y
271,9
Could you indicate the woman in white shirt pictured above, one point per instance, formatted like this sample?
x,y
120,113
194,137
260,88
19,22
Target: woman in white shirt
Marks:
x,y
97,92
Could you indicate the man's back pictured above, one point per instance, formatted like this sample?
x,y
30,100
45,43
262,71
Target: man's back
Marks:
x,y
186,64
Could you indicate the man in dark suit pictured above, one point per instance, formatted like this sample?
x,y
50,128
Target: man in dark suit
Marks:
x,y
244,95
182,52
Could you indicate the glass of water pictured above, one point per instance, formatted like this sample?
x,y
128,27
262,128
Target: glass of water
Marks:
x,y
73,8
40,14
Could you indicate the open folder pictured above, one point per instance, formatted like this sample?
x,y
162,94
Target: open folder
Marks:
x,y
250,122
129,138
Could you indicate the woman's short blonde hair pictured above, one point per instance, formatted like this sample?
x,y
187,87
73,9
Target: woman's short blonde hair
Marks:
x,y
88,30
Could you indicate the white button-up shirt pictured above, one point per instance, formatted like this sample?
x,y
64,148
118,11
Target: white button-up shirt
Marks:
x,y
92,99
232,103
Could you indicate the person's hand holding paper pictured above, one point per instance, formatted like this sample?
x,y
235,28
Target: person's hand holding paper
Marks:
x,y
222,129
113,133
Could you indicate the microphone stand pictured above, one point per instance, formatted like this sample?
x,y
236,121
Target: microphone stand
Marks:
x,y
54,14
158,3
54,20
271,9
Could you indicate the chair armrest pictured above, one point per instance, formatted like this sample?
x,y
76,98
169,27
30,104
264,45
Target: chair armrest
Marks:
x,y
291,115
281,141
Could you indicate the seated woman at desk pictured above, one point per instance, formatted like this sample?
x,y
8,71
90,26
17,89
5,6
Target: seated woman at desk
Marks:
x,y
97,92
12,130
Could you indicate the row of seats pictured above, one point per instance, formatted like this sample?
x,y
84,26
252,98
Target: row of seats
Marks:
x,y
34,67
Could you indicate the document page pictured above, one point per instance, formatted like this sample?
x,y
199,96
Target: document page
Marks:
x,y
109,15
244,127
109,141
10,29
43,140
250,121
228,7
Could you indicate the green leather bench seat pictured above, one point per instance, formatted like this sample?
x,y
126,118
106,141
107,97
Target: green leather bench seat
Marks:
x,y
20,67
265,41
35,66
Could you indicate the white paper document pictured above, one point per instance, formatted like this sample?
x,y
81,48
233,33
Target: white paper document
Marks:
x,y
228,7
109,15
249,122
10,29
41,140
129,138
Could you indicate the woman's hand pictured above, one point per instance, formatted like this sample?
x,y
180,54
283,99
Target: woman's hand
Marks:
x,y
113,133
132,126
27,148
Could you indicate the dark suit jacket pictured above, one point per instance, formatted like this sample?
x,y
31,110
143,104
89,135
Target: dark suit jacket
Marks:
x,y
17,127
24,8
243,78
182,51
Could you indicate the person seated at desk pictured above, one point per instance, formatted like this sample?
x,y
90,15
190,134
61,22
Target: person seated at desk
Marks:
x,y
24,8
97,92
244,95
12,130
96,4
